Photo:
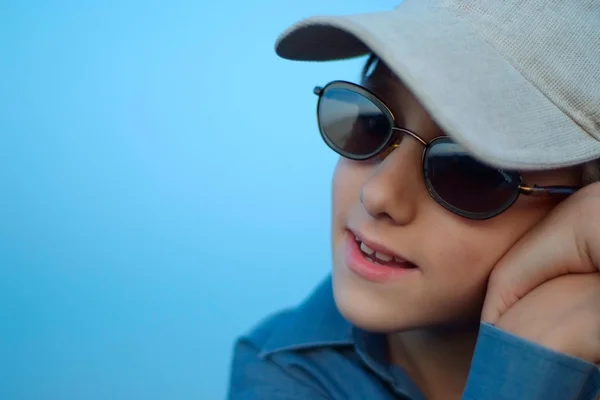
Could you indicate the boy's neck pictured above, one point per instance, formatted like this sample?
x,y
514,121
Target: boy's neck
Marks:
x,y
436,359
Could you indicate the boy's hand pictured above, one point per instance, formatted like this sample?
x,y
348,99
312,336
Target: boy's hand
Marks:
x,y
547,287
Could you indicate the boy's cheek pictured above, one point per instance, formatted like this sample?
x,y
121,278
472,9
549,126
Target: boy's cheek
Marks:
x,y
347,181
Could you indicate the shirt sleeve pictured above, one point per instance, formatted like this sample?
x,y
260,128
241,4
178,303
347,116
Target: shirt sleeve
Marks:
x,y
261,378
506,367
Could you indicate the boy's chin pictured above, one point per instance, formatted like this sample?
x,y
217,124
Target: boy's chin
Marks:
x,y
372,314
378,318
381,322
374,324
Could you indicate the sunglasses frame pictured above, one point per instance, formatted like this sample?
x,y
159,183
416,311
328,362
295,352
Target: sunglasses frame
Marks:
x,y
392,141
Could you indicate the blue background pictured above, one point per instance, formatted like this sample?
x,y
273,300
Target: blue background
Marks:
x,y
163,187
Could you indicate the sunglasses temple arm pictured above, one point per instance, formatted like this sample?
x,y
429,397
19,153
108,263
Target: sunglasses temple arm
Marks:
x,y
547,190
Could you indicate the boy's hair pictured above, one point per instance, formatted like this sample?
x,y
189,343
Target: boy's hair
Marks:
x,y
590,171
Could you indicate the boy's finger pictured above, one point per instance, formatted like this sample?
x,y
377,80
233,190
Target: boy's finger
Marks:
x,y
551,249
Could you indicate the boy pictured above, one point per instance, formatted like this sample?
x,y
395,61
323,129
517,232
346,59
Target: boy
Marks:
x,y
465,219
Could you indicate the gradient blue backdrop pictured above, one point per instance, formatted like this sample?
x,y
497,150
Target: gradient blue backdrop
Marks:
x,y
163,187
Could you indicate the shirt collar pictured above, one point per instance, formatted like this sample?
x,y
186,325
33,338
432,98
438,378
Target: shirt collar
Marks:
x,y
318,323
315,323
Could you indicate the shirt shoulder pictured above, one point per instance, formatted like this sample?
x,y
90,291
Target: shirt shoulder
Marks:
x,y
306,352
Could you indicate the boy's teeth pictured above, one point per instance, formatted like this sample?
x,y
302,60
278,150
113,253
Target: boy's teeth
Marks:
x,y
383,257
366,249
377,255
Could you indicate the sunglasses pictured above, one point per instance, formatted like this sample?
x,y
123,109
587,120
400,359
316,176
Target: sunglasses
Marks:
x,y
357,125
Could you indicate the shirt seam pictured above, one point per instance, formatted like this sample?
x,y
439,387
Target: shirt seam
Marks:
x,y
264,353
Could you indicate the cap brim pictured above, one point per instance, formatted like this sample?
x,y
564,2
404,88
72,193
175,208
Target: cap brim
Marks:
x,y
469,88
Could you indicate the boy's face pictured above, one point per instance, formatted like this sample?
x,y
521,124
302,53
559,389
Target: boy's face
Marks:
x,y
385,201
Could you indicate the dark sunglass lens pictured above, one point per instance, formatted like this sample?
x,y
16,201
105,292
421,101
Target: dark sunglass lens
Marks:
x,y
466,184
352,124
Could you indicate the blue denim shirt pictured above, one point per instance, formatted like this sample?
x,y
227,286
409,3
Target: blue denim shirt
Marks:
x,y
311,353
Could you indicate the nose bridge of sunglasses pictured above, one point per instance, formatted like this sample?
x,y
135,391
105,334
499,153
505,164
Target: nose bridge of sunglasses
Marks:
x,y
396,141
401,132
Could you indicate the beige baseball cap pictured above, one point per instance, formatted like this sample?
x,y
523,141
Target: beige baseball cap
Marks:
x,y
517,82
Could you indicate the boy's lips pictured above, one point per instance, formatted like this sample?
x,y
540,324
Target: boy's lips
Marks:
x,y
378,250
374,261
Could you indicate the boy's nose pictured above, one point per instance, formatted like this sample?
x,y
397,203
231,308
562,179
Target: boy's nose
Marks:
x,y
396,186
